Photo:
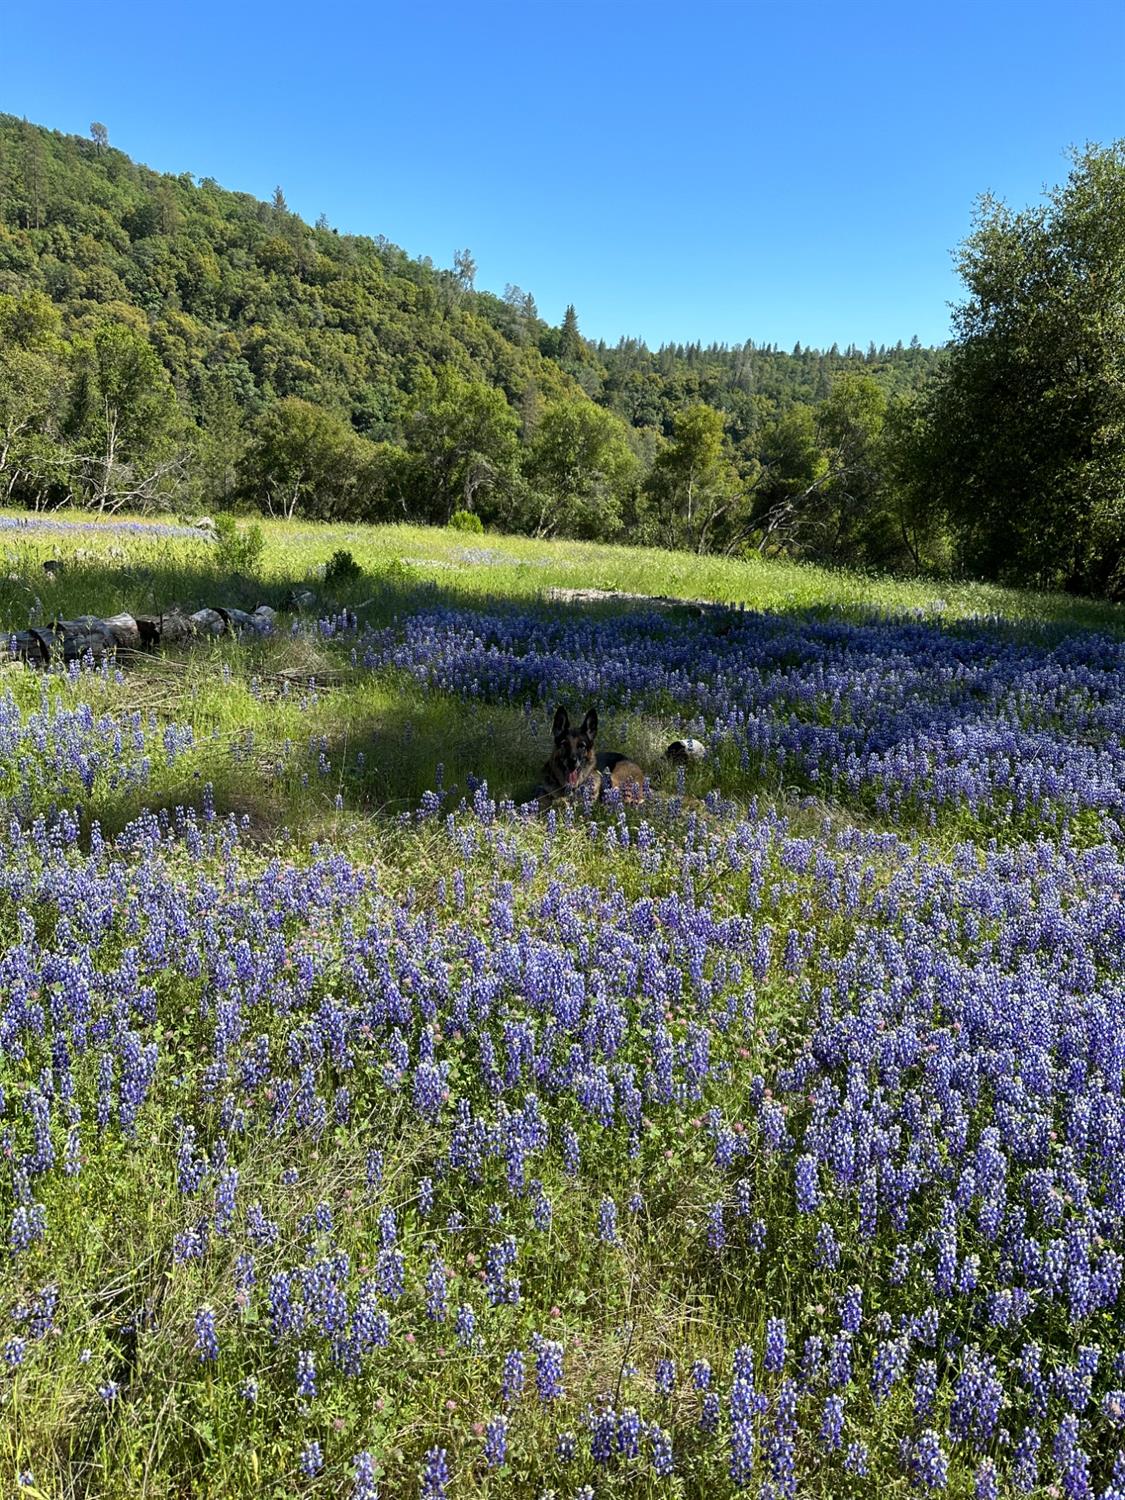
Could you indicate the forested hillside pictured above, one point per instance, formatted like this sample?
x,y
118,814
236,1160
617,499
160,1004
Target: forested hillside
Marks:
x,y
163,340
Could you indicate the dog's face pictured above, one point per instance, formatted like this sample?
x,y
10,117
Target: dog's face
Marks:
x,y
573,759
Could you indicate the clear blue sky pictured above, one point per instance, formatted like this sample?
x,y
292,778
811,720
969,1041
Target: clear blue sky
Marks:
x,y
775,171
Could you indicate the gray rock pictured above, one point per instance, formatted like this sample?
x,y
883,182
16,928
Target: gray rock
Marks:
x,y
208,622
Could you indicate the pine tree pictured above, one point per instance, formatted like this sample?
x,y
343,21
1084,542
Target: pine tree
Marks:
x,y
570,340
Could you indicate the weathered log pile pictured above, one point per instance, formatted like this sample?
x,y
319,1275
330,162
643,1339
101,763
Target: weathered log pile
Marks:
x,y
97,637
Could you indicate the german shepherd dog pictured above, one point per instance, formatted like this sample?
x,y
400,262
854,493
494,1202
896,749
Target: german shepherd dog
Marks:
x,y
575,768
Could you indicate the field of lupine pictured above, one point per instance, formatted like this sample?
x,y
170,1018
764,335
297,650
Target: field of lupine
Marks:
x,y
364,1133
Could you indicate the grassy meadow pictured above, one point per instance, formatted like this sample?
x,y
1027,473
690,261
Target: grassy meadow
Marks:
x,y
361,1133
292,688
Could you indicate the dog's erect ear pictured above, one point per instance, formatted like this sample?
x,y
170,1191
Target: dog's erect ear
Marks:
x,y
590,724
562,722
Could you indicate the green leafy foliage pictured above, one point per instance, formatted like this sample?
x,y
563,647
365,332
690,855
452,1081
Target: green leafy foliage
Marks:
x,y
238,549
694,485
466,520
342,567
165,344
1022,437
581,471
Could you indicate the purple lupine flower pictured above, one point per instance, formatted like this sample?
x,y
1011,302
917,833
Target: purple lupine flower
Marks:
x,y
716,1227
436,1475
206,1342
851,1309
496,1442
603,1435
925,1389
741,1452
225,1200
929,1467
312,1459
363,1477
466,1325
977,1398
282,1314
665,1376
661,1451
390,1272
627,1437
29,1224
827,1248
572,1151
512,1378
840,1361
812,1359
710,1412
436,1288
607,1221
808,1188
889,1362
774,1359
986,1485
856,1459
306,1374
832,1422
548,1368
541,1209
1025,1461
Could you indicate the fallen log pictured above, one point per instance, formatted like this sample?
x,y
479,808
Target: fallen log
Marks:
x,y
167,629
97,637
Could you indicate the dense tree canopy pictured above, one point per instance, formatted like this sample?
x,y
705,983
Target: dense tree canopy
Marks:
x,y
164,342
580,469
1022,437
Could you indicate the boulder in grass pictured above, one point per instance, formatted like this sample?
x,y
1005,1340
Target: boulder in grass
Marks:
x,y
209,621
301,600
261,622
175,627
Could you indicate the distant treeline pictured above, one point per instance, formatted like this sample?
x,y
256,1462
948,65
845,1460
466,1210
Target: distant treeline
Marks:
x,y
166,342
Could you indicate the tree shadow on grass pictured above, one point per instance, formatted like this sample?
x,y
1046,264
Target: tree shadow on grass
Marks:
x,y
382,759
105,588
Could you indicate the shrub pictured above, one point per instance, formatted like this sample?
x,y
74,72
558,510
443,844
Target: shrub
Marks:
x,y
238,549
341,567
466,520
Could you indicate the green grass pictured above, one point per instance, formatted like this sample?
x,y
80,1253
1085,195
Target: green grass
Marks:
x,y
145,575
254,714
